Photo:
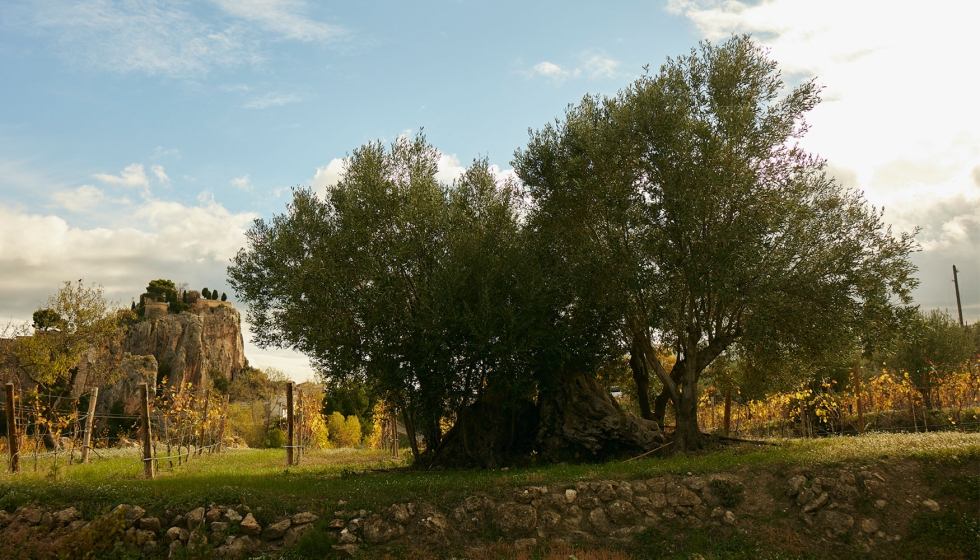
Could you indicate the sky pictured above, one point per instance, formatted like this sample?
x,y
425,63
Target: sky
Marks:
x,y
139,139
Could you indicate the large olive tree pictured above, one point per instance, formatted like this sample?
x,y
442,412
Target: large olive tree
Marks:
x,y
687,195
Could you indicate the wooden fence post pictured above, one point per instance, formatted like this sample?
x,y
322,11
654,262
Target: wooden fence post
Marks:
x,y
221,427
89,423
12,439
394,432
289,423
857,392
145,418
204,420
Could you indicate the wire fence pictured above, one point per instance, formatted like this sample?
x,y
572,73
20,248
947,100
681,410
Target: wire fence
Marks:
x,y
184,423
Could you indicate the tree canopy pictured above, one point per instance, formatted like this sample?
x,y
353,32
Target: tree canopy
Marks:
x,y
710,227
675,222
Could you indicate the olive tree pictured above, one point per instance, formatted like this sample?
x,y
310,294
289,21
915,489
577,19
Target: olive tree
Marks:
x,y
710,226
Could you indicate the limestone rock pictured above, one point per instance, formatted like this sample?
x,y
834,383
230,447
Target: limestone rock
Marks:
x,y
600,521
276,530
249,526
606,492
150,524
869,525
695,483
838,523
570,495
794,485
465,520
728,518
220,526
172,535
132,513
191,343
400,513
303,518
294,533
680,496
194,518
346,537
66,516
29,515
213,515
515,519
345,550
622,512
378,531
820,500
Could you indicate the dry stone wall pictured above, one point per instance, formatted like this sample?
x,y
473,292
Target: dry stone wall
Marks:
x,y
597,513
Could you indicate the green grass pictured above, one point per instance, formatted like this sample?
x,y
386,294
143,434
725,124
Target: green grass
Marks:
x,y
259,477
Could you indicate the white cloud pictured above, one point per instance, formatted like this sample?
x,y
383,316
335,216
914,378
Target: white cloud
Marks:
x,y
592,65
242,183
272,100
82,199
284,17
327,176
132,176
598,66
160,174
163,240
166,38
898,119
161,152
449,168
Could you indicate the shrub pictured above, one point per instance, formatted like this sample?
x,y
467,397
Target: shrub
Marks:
x,y
276,439
344,432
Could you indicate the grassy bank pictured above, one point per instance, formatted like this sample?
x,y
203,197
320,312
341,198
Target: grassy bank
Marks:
x,y
259,477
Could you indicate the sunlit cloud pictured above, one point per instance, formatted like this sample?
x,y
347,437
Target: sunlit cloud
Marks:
x,y
898,120
132,176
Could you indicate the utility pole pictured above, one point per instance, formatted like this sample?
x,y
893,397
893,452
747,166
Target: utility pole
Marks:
x,y
956,284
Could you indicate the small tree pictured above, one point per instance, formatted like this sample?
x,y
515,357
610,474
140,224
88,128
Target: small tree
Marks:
x,y
77,325
206,293
931,348
224,297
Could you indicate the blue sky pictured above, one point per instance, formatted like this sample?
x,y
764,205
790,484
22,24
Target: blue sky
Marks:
x,y
138,139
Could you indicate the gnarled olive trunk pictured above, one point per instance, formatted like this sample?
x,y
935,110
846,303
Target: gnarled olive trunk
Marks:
x,y
493,432
580,421
574,420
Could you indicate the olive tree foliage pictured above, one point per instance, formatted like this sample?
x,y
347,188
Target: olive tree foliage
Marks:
x,y
396,281
709,227
932,346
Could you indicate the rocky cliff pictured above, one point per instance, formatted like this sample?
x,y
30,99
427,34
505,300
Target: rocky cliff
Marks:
x,y
192,345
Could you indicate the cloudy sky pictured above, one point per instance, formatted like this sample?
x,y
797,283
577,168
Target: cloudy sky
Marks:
x,y
140,138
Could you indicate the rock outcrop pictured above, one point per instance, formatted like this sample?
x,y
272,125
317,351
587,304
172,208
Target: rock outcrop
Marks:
x,y
191,344
134,370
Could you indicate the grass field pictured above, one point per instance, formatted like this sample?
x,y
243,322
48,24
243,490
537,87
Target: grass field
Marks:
x,y
258,478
